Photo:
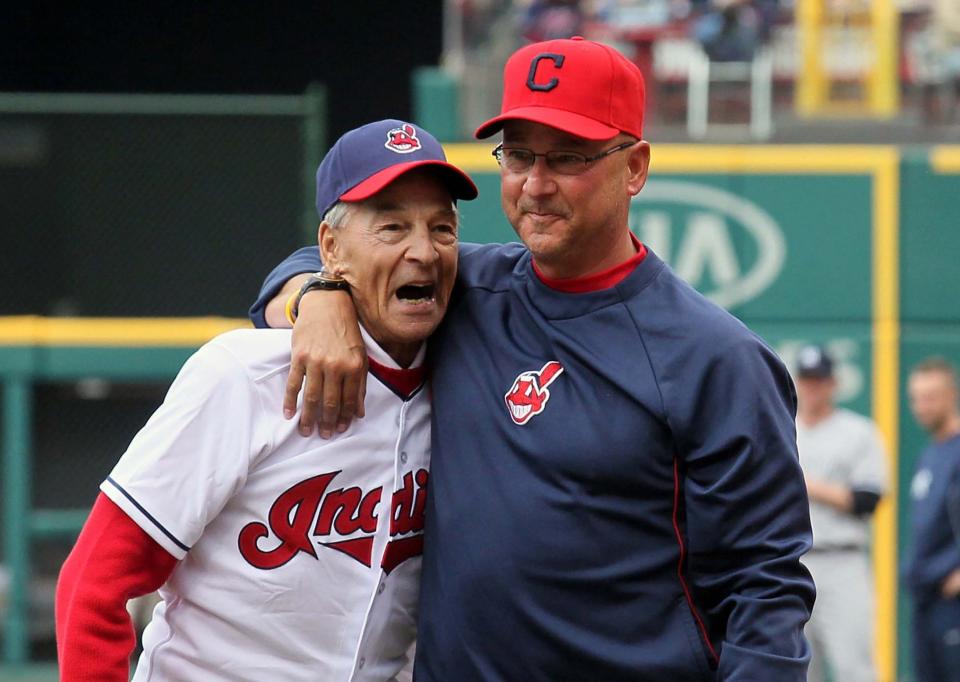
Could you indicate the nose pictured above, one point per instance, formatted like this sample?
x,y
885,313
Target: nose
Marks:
x,y
420,247
539,180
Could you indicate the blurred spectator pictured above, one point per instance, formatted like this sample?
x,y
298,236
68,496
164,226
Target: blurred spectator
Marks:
x,y
639,14
550,19
932,567
844,467
477,18
945,37
733,30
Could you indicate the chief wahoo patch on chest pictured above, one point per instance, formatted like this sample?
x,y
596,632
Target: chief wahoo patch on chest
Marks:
x,y
529,394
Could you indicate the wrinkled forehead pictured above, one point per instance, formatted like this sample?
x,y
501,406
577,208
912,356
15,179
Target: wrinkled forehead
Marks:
x,y
408,210
390,205
419,193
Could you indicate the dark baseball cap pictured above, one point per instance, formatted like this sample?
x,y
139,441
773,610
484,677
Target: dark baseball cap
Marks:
x,y
813,362
578,86
367,159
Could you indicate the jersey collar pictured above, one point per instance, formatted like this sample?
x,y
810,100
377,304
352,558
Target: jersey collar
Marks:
x,y
405,382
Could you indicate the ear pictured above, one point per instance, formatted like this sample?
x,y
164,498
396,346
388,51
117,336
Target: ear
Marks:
x,y
329,242
638,163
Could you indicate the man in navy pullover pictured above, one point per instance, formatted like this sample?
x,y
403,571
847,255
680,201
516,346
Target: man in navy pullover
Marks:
x,y
615,492
932,570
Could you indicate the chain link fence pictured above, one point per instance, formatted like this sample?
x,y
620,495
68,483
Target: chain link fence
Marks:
x,y
151,205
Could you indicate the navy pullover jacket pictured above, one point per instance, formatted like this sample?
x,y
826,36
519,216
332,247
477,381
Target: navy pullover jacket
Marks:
x,y
615,492
935,522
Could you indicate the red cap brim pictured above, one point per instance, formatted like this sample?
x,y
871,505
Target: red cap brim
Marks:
x,y
458,182
567,121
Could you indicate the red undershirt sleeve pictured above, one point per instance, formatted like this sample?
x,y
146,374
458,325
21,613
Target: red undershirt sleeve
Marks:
x,y
113,561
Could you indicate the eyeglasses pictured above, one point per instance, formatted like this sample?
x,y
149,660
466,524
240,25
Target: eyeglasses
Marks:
x,y
519,160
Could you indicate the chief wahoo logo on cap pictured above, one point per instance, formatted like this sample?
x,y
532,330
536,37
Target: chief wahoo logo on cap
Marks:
x,y
402,140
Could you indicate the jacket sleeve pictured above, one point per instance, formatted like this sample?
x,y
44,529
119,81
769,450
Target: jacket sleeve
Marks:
x,y
114,560
747,519
302,260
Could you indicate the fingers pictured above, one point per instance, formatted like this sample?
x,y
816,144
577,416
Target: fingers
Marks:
x,y
329,361
330,407
312,401
294,382
361,395
354,387
332,394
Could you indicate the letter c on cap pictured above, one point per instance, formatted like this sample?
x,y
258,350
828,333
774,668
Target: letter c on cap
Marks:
x,y
557,60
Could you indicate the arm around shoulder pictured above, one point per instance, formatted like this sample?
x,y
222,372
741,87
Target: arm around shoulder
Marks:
x,y
328,360
283,280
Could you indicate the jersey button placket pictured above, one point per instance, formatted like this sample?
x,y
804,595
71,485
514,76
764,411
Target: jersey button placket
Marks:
x,y
401,458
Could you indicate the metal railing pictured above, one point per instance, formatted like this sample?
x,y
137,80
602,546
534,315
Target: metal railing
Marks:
x,y
34,350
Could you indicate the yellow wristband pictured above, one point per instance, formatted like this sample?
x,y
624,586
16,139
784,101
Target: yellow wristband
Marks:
x,y
288,308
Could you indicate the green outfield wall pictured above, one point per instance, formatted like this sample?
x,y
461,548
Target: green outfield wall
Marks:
x,y
855,247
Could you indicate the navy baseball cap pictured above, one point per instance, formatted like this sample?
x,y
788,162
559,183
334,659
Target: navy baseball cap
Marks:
x,y
367,159
813,362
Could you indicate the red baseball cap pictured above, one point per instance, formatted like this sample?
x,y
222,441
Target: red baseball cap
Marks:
x,y
578,86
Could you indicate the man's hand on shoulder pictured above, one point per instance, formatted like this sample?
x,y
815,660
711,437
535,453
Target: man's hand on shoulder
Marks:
x,y
329,361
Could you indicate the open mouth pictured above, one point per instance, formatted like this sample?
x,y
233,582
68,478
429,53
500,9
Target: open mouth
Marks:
x,y
416,293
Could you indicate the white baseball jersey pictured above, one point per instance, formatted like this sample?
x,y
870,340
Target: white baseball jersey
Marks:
x,y
299,557
844,448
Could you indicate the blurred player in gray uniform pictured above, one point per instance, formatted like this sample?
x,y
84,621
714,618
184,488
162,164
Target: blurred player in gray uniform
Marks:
x,y
844,466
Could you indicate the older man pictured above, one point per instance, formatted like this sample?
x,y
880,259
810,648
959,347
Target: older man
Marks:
x,y
279,557
615,492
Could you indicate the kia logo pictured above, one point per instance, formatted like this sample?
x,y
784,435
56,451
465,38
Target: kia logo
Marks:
x,y
694,228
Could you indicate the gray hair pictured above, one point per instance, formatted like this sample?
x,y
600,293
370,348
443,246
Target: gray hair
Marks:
x,y
337,214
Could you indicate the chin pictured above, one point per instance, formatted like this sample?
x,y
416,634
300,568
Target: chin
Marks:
x,y
552,255
549,230
414,331
543,246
